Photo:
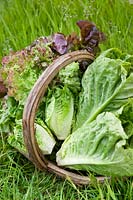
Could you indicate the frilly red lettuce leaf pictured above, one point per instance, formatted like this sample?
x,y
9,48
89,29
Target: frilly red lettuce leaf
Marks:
x,y
90,35
59,43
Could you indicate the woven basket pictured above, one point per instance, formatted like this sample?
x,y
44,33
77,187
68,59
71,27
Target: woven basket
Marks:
x,y
34,153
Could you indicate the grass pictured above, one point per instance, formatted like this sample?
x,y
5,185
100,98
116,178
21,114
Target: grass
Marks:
x,y
21,22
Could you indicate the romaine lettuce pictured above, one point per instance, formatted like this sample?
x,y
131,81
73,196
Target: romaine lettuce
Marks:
x,y
44,138
59,112
102,140
99,146
106,82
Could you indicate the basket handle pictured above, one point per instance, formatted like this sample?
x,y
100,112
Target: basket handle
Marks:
x,y
31,106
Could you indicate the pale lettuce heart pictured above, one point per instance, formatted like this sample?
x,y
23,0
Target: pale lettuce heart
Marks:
x,y
59,112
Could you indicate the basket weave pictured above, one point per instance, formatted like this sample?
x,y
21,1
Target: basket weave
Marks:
x,y
34,153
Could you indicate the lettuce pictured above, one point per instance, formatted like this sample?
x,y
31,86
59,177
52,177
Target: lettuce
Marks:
x,y
44,138
126,117
99,146
70,77
93,113
106,82
59,112
21,69
122,97
9,111
102,139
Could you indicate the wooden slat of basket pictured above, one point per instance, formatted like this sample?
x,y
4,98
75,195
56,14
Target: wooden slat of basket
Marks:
x,y
30,109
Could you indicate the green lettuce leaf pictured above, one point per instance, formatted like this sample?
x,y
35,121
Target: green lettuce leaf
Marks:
x,y
9,110
126,117
124,94
105,82
19,82
103,141
70,77
99,146
44,138
59,112
21,69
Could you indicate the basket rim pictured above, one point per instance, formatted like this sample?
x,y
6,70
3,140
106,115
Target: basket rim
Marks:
x,y
30,108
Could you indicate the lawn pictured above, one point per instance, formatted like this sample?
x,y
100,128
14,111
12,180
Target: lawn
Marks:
x,y
21,22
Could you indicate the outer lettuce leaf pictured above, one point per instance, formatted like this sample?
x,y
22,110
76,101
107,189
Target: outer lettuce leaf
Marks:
x,y
104,81
44,138
115,53
126,117
59,112
99,146
9,110
127,90
123,95
15,138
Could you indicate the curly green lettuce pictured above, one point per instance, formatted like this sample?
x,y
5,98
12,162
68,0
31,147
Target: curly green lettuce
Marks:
x,y
21,69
